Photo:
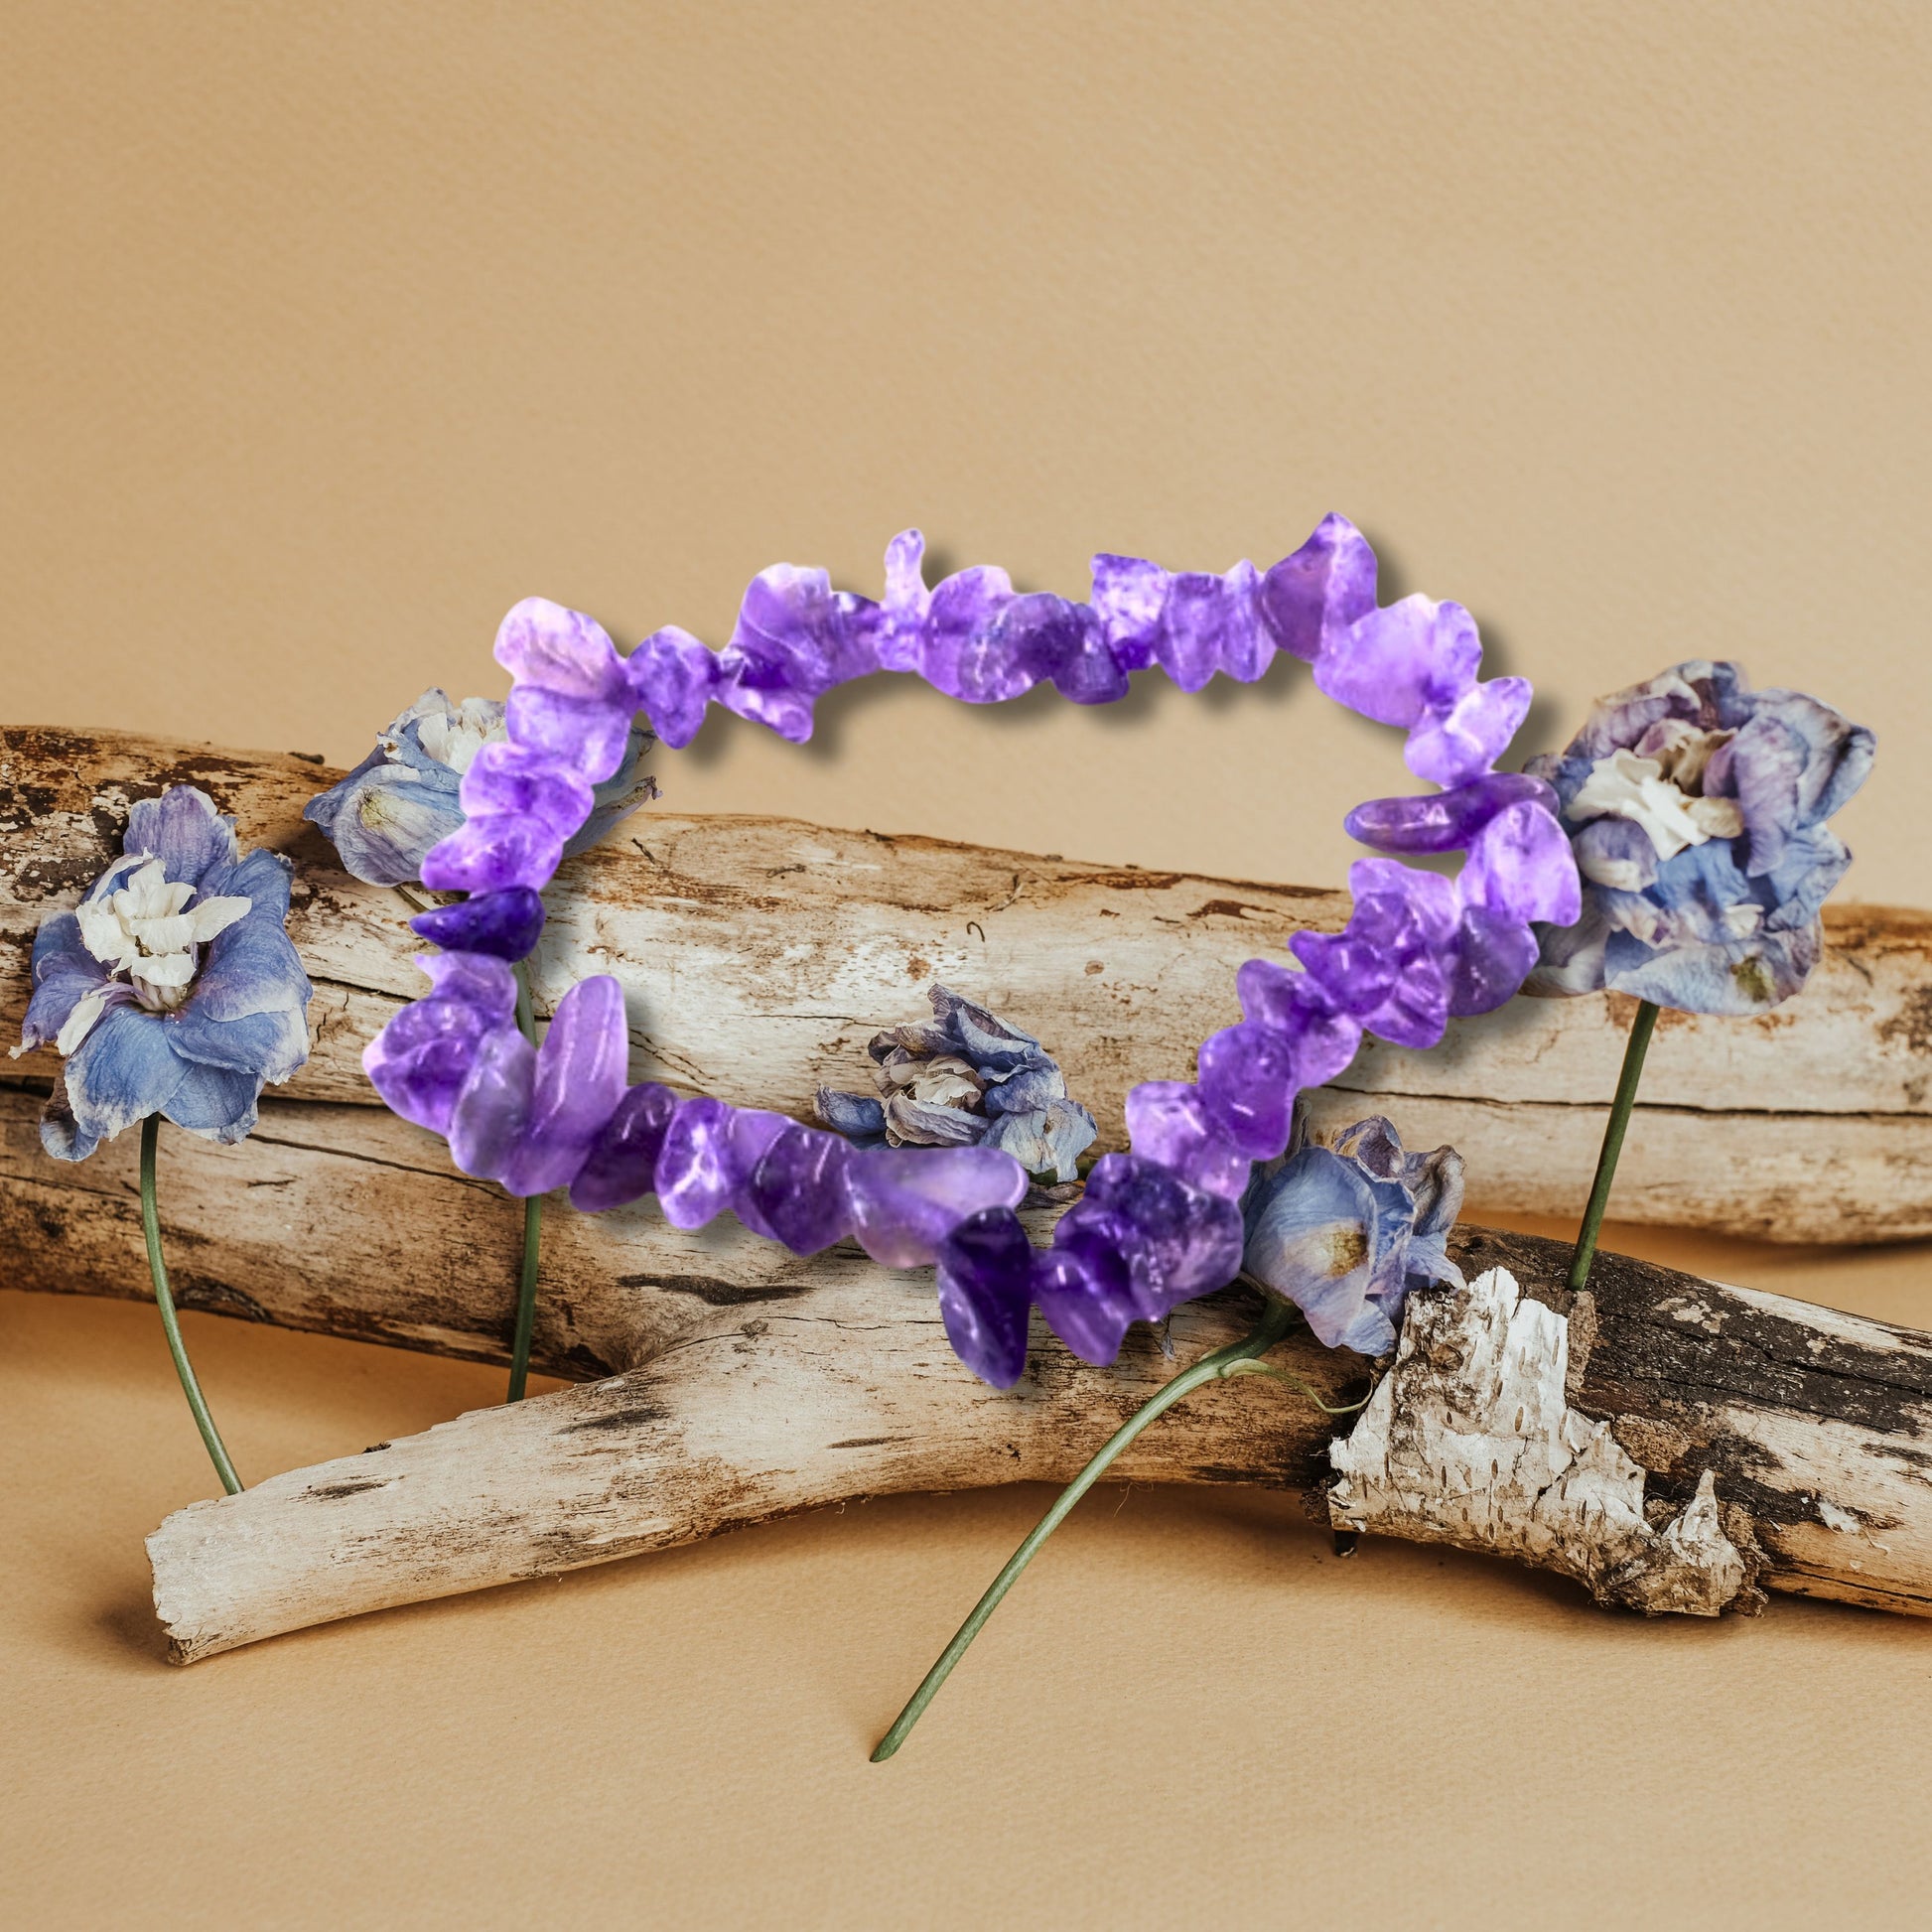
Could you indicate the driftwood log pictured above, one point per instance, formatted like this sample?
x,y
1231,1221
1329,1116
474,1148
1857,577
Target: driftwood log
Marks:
x,y
760,954
1672,1443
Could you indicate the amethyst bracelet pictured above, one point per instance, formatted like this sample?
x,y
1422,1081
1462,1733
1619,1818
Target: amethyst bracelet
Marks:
x,y
1155,1226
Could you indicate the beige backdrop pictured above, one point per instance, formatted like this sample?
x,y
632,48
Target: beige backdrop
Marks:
x,y
329,332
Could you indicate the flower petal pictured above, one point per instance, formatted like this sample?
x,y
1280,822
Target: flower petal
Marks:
x,y
183,830
125,1069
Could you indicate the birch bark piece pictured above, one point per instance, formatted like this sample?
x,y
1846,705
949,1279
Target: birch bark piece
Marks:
x,y
759,955
1471,1440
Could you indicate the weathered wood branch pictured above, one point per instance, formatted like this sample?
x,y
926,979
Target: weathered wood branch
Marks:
x,y
1671,1442
760,954
1713,1442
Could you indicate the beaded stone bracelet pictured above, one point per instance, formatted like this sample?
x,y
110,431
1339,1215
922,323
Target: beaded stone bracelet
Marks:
x,y
1155,1226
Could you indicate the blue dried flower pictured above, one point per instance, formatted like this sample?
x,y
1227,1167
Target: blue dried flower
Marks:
x,y
385,815
1345,1231
1696,808
968,1080
172,988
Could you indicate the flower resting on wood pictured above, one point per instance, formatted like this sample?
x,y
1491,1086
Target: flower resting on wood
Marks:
x,y
1696,808
383,817
1345,1231
172,988
967,1080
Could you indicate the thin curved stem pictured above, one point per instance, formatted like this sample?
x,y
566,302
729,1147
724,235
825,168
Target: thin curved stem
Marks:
x,y
527,1280
1614,1129
1277,1319
170,1321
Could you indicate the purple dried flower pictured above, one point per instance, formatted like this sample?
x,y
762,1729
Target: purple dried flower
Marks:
x,y
1696,808
967,1080
383,817
1345,1231
172,988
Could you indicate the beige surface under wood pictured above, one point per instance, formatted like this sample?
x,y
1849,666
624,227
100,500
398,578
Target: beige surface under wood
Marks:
x,y
759,956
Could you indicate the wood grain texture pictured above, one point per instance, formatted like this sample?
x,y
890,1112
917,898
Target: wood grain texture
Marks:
x,y
1809,1433
759,955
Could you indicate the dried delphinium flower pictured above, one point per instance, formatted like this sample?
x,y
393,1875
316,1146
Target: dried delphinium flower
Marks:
x,y
1346,1230
966,1081
1697,811
383,816
172,991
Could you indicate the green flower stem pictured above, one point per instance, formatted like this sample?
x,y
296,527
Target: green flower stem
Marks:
x,y
1237,1358
170,1321
526,1284
1614,1129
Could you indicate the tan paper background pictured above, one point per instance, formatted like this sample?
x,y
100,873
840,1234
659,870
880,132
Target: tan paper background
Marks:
x,y
327,333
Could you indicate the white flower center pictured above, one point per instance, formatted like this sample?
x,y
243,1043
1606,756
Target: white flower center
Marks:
x,y
146,930
454,738
1662,793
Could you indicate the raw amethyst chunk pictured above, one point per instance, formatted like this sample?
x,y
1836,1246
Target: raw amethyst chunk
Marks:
x,y
797,1190
986,1294
622,1165
1447,820
504,925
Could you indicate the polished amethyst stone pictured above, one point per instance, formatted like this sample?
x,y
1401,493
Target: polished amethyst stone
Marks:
x,y
523,782
1324,587
709,1153
621,1166
1082,1288
420,1061
1181,1241
673,677
491,850
493,1108
1446,820
1169,1121
797,1190
506,924
580,1079
1520,867
986,1267
1247,1080
1491,957
905,1201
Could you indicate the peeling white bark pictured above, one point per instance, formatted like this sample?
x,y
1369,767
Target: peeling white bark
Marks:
x,y
1471,1440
